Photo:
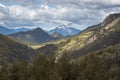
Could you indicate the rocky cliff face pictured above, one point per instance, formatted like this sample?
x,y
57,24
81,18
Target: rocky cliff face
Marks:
x,y
106,27
106,35
110,18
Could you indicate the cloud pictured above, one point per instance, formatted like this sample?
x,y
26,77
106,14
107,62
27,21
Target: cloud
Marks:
x,y
52,13
82,2
22,2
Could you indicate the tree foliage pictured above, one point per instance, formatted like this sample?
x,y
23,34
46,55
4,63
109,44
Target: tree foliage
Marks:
x,y
100,65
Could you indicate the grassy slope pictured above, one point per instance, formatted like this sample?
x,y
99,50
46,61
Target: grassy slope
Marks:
x,y
105,36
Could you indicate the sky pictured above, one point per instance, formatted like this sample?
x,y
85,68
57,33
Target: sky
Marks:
x,y
49,14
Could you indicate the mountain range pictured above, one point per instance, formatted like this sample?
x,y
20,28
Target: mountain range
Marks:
x,y
93,38
65,31
6,31
92,54
36,36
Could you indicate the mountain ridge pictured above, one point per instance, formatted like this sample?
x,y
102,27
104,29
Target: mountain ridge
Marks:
x,y
36,36
65,31
6,31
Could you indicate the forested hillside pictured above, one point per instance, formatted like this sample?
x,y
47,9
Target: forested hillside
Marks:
x,y
10,50
99,65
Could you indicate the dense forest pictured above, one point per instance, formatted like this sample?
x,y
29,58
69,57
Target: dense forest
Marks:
x,y
99,65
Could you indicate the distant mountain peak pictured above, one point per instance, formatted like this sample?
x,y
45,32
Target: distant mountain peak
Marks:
x,y
37,30
36,36
57,35
64,30
62,27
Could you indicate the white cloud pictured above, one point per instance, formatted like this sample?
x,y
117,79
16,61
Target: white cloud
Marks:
x,y
52,13
114,2
22,12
